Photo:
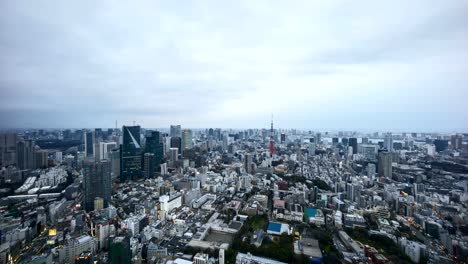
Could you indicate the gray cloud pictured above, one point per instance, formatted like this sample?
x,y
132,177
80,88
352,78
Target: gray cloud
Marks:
x,y
332,65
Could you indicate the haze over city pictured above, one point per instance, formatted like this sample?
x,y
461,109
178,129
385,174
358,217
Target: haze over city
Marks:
x,y
329,65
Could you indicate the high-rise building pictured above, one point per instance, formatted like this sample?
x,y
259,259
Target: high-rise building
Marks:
x,y
174,154
89,142
41,158
130,157
385,164
318,138
176,142
175,131
119,250
8,143
365,140
248,162
441,144
105,148
283,137
388,142
187,142
369,151
96,182
155,146
353,143
26,160
371,171
344,141
334,141
456,141
114,157
148,165
311,149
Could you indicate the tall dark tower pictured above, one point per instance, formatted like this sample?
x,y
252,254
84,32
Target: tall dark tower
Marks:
x,y
272,140
130,153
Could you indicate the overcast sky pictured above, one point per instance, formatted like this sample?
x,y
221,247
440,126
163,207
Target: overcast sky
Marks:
x,y
354,65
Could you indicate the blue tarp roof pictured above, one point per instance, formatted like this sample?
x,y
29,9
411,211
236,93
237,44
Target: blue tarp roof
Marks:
x,y
275,227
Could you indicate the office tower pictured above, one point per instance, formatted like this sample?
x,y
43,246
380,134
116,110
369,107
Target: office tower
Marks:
x,y
164,169
365,140
130,157
318,138
385,164
90,140
369,151
8,143
431,150
352,142
174,154
344,141
283,137
187,139
176,142
105,148
311,149
225,142
148,165
248,162
175,131
119,250
41,158
26,160
441,144
334,141
114,157
96,182
211,133
388,142
155,146
456,142
98,134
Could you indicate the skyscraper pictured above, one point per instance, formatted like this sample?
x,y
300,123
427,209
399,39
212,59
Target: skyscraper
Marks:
x,y
148,165
174,155
441,144
456,141
385,164
175,131
155,146
248,162
89,141
353,143
96,182
388,142
119,250
176,142
318,138
8,143
130,157
187,139
25,155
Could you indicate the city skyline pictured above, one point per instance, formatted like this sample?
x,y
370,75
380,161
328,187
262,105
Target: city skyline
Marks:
x,y
356,66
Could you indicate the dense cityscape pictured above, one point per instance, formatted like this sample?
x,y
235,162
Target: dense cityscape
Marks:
x,y
177,195
233,132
